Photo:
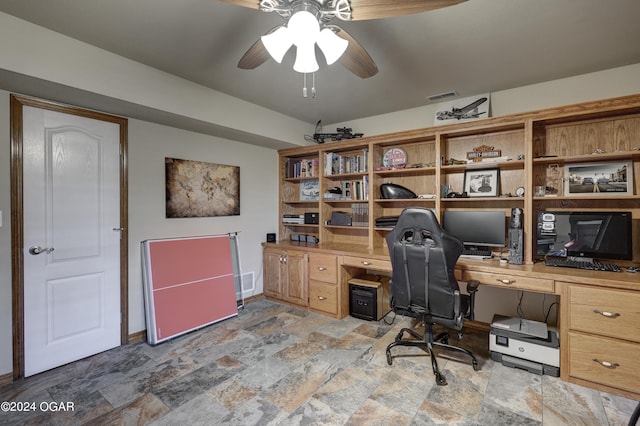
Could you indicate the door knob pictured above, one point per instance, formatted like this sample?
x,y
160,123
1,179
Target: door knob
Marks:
x,y
34,250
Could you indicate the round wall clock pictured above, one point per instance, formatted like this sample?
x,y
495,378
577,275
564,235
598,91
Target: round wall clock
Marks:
x,y
394,157
519,191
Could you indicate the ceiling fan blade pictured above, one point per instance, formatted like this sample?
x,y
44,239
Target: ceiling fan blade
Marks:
x,y
375,9
257,54
254,57
252,4
355,58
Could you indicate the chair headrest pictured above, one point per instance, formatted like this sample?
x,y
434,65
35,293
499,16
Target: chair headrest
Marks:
x,y
417,224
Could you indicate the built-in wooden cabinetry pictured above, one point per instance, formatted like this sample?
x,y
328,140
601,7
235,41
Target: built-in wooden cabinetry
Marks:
x,y
285,275
598,318
533,142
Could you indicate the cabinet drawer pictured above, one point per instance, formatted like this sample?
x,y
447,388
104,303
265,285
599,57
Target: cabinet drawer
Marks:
x,y
624,369
323,267
614,313
323,297
507,280
363,262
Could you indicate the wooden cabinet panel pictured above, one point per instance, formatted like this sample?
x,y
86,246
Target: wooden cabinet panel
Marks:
x,y
605,361
508,280
323,297
296,277
323,267
607,312
272,262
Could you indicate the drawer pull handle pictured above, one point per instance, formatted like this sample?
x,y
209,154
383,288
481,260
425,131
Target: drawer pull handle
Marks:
x,y
505,281
607,314
321,268
365,263
322,298
607,364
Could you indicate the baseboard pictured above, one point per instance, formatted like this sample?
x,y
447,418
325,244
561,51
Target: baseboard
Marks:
x,y
254,298
6,379
140,336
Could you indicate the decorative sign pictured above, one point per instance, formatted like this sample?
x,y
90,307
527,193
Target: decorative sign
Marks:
x,y
394,157
483,151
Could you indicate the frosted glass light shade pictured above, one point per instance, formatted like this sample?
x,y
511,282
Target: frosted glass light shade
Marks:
x,y
332,46
277,43
303,31
306,59
303,28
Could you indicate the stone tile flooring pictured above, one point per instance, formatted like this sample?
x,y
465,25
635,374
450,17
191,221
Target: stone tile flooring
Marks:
x,y
277,364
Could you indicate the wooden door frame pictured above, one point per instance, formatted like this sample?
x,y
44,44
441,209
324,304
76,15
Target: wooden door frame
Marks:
x,y
17,218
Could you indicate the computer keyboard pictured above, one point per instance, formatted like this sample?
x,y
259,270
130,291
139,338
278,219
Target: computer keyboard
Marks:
x,y
593,266
479,253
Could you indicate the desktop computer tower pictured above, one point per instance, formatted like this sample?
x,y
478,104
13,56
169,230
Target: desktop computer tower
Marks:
x,y
516,237
369,297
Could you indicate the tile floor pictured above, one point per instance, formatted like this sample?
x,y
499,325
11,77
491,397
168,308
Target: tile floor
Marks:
x,y
280,365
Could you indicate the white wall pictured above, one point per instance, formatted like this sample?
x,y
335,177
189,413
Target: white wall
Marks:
x,y
583,88
36,52
149,144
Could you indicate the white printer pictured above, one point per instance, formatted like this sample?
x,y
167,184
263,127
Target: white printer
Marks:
x,y
525,344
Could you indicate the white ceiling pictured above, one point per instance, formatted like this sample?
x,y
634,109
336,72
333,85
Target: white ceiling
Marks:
x,y
475,47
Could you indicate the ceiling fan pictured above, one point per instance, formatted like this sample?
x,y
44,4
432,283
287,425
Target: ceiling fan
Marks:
x,y
309,23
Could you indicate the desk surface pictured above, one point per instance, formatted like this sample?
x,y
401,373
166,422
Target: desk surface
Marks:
x,y
623,280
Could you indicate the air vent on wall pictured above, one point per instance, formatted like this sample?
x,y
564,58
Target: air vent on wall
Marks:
x,y
440,96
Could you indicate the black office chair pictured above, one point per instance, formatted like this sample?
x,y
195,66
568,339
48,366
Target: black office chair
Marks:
x,y
423,257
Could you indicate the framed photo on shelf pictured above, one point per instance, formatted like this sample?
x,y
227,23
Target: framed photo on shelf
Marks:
x,y
482,183
598,179
309,190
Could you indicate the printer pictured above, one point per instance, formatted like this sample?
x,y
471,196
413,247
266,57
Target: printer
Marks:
x,y
525,344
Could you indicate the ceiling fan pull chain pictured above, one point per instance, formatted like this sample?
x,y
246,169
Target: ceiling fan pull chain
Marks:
x,y
313,85
304,85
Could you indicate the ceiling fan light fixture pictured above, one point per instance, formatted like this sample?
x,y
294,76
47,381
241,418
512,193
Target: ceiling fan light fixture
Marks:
x,y
303,28
306,59
277,43
332,45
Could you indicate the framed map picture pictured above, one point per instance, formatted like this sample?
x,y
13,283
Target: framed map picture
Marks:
x,y
198,189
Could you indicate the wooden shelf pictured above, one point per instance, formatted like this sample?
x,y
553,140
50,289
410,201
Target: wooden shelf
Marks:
x,y
571,132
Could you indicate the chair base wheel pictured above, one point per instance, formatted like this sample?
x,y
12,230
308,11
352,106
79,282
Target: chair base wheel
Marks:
x,y
440,380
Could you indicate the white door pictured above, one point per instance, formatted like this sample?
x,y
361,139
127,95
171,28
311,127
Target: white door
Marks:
x,y
71,238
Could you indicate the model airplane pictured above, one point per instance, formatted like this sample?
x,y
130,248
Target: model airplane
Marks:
x,y
341,133
466,112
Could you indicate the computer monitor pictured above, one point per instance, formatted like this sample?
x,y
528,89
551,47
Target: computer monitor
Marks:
x,y
476,228
596,235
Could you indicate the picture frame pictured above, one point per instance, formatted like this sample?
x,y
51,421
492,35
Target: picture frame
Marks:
x,y
465,109
606,179
482,182
309,190
200,189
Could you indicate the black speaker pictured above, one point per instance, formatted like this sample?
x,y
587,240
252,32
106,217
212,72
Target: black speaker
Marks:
x,y
271,237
